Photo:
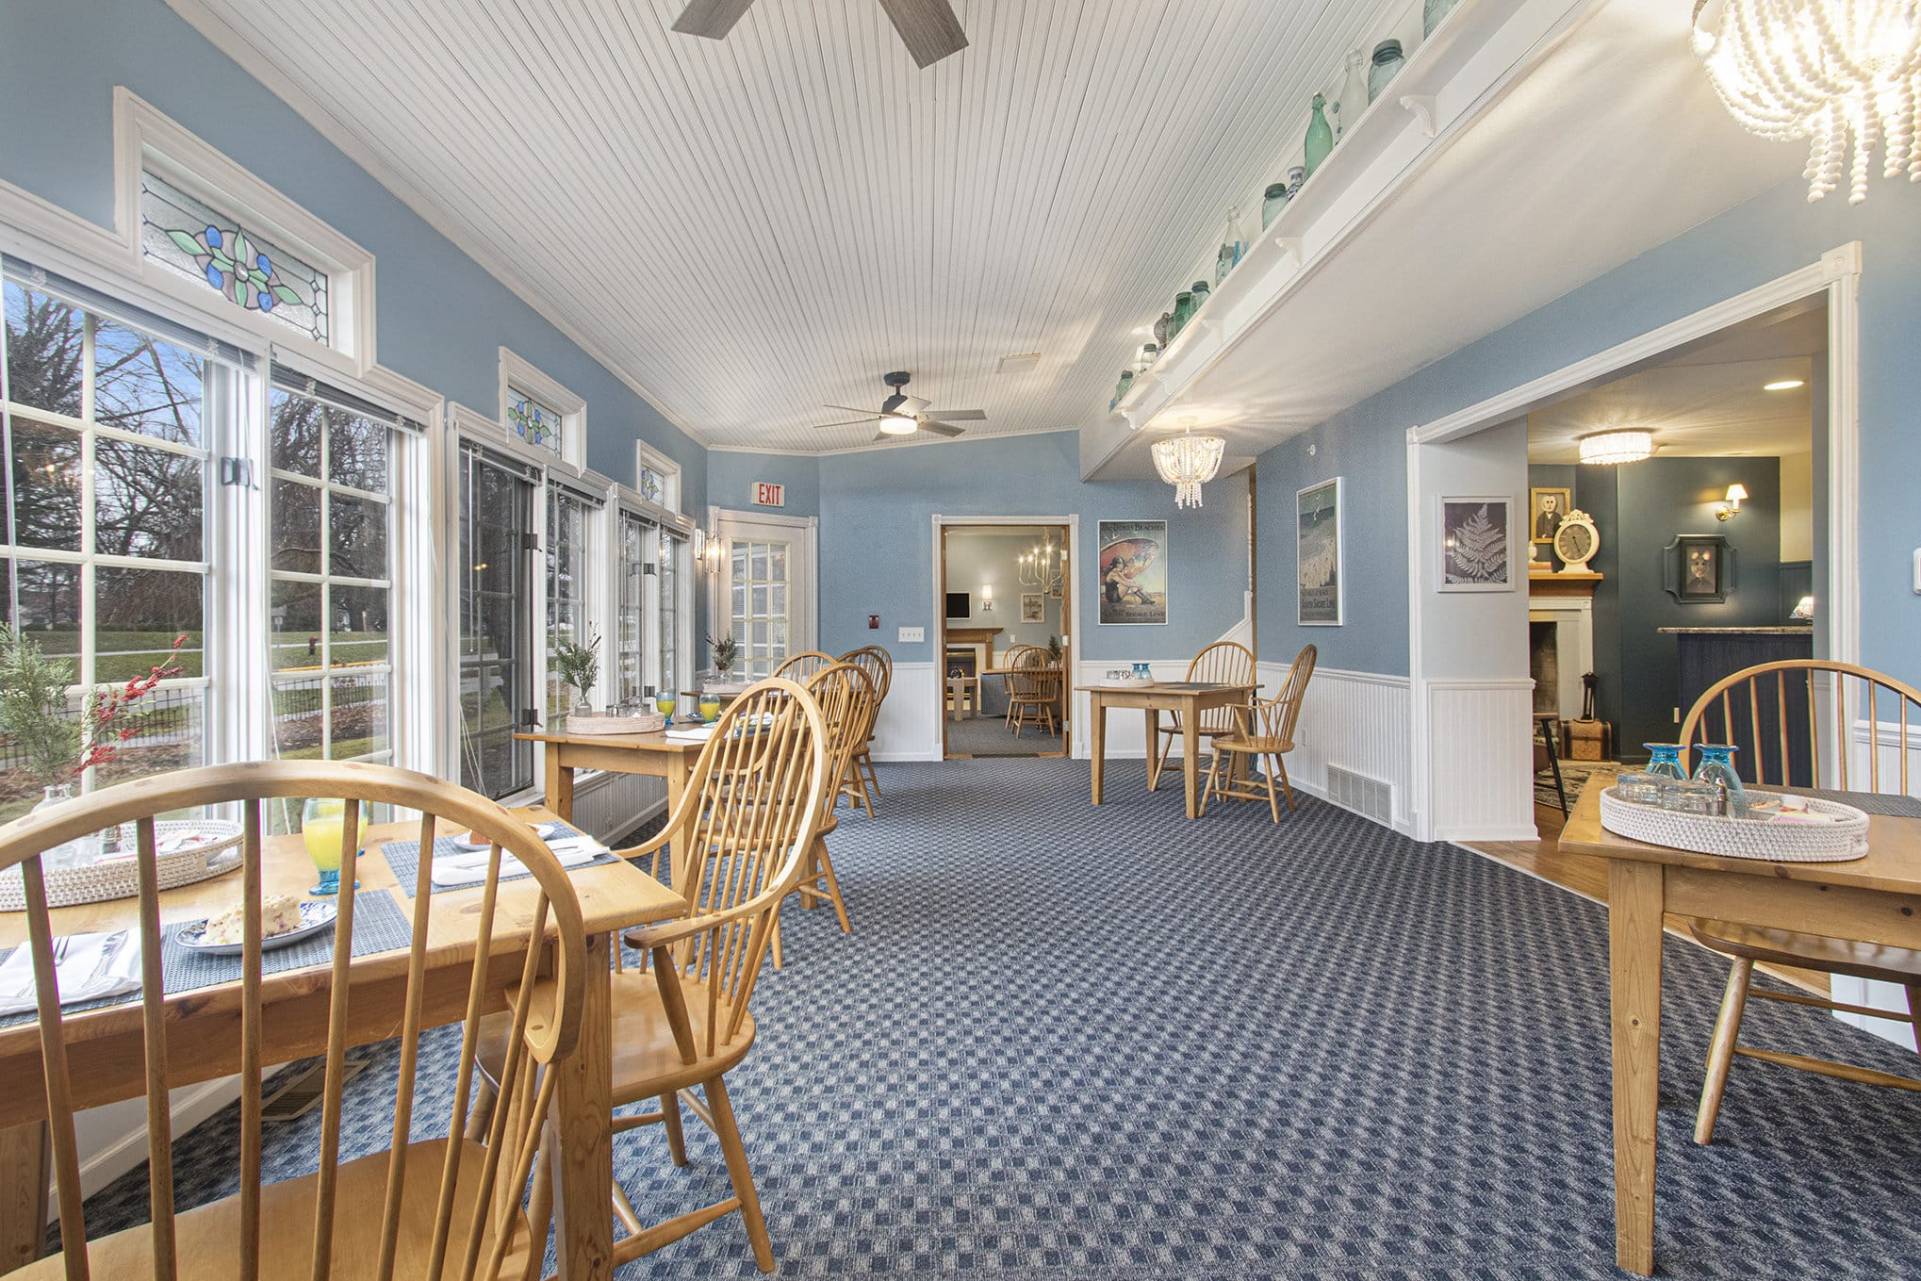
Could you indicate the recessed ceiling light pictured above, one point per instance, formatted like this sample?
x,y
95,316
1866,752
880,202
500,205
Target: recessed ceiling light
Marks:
x,y
1018,362
1784,384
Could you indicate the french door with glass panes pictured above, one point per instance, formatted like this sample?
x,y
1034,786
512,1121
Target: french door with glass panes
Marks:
x,y
496,623
765,596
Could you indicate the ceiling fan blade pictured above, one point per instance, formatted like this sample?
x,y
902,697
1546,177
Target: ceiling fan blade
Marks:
x,y
851,422
852,409
940,429
928,28
912,405
710,18
961,415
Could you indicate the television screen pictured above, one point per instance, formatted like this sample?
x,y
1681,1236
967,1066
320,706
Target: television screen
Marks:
x,y
959,605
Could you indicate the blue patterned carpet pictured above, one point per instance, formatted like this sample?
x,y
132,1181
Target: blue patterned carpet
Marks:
x,y
1076,1043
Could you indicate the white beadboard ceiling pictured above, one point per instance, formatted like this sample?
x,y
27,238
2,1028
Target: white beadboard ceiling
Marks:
x,y
746,230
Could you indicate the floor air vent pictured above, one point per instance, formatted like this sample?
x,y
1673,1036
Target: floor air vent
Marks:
x,y
1370,797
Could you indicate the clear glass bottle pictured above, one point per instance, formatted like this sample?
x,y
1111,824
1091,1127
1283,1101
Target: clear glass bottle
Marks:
x,y
1431,14
1320,136
1387,64
1183,312
1150,352
1353,100
1717,768
1664,760
1273,200
1233,247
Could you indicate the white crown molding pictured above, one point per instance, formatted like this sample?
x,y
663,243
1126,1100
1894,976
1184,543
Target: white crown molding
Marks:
x,y
242,51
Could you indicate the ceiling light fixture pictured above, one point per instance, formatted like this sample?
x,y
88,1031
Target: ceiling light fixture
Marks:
x,y
898,425
1824,70
1612,448
1187,462
1784,384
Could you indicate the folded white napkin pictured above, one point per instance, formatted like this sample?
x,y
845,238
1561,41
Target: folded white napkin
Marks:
x,y
692,733
470,868
90,967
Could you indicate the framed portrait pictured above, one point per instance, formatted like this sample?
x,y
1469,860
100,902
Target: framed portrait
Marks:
x,y
1317,554
1477,553
1133,573
1700,569
1547,507
1033,607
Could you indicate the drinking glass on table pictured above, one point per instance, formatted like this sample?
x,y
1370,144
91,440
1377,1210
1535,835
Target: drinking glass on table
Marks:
x,y
322,822
664,704
709,707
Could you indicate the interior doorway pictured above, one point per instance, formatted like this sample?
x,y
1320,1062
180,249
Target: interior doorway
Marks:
x,y
1005,600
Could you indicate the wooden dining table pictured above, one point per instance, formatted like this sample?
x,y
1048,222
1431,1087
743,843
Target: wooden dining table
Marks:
x,y
203,1025
653,754
1875,898
1186,698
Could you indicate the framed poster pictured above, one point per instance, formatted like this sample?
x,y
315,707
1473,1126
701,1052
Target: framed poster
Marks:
x,y
1547,507
1318,552
1133,572
1033,607
1477,554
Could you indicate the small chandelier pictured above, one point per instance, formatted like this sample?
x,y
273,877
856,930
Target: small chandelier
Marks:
x,y
1042,566
1821,70
1187,462
1611,448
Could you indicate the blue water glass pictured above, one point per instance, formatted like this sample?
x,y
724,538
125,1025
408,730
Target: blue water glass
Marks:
x,y
1717,766
1664,760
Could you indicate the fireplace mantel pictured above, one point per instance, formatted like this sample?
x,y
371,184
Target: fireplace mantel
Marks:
x,y
1549,583
972,635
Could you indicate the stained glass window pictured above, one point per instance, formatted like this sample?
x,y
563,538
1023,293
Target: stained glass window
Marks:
x,y
653,487
248,270
534,421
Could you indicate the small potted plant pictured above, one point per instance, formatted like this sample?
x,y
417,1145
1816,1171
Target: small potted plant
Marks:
x,y
720,677
55,747
578,667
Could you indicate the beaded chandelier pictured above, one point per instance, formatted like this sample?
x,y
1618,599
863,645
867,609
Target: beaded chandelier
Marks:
x,y
1187,462
1825,70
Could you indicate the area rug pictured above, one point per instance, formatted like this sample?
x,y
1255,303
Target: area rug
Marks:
x,y
1069,1042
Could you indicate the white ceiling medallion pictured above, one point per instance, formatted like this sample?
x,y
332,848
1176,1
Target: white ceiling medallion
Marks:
x,y
1187,462
1611,448
1823,70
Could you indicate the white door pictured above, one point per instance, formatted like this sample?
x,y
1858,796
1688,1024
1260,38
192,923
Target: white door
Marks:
x,y
764,596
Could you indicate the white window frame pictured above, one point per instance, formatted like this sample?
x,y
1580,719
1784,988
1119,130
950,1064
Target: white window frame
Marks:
x,y
645,455
625,496
145,138
517,371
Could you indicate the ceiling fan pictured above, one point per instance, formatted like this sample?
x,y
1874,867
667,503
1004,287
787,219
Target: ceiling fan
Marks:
x,y
928,28
901,415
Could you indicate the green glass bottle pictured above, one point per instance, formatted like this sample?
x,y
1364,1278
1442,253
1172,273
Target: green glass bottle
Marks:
x,y
1183,312
1320,138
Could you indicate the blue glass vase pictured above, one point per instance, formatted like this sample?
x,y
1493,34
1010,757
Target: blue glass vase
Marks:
x,y
1664,760
1717,766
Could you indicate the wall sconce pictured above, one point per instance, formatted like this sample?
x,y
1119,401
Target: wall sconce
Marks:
x,y
987,598
1728,510
707,551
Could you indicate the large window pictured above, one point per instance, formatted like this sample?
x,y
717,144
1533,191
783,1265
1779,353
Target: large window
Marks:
x,y
104,555
495,572
572,520
631,649
673,553
331,569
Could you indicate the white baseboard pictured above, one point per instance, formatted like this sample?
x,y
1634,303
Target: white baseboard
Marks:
x,y
113,1139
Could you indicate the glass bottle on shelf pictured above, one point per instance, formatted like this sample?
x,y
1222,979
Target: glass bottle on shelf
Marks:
x,y
1150,352
1273,200
1664,760
1183,311
1201,293
1164,329
1121,388
1320,136
1295,177
1431,14
1353,100
1388,60
1233,247
1717,767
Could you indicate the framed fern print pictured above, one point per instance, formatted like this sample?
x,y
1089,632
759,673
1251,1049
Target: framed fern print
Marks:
x,y
1477,545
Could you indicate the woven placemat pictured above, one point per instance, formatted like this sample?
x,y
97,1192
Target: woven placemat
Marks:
x,y
1877,803
379,926
404,858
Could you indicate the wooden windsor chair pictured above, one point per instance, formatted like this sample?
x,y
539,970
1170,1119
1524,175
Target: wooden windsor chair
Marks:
x,y
863,782
740,841
428,1209
1762,710
802,666
1265,728
1011,657
847,699
1034,692
1223,663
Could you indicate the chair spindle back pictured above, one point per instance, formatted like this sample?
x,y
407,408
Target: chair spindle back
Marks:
x,y
802,667
1763,710
848,703
1222,663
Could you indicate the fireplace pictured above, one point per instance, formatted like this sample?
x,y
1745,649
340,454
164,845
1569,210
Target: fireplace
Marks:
x,y
1560,627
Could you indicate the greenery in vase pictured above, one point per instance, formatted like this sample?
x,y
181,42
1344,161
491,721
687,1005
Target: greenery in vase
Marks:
x,y
56,747
579,665
726,651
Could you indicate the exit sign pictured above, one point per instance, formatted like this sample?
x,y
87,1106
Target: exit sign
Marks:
x,y
768,494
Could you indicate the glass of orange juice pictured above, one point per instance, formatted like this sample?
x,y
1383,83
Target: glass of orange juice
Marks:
x,y
321,824
709,706
664,704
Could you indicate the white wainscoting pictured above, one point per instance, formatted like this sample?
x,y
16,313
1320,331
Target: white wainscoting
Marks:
x,y
1481,780
1357,721
1126,727
1864,761
904,732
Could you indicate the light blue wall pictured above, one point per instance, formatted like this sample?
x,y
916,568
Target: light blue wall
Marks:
x,y
441,317
1771,235
731,477
876,540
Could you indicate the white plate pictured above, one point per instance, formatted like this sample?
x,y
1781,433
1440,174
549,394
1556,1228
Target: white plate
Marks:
x,y
545,831
315,916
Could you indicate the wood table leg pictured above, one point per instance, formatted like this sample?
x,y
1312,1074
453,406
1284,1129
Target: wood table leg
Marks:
x,y
1191,761
676,776
1153,748
1097,713
23,1194
560,784
584,1161
1636,893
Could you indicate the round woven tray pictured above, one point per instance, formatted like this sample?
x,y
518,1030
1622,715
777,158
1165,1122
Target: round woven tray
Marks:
x,y
1739,837
608,723
118,876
